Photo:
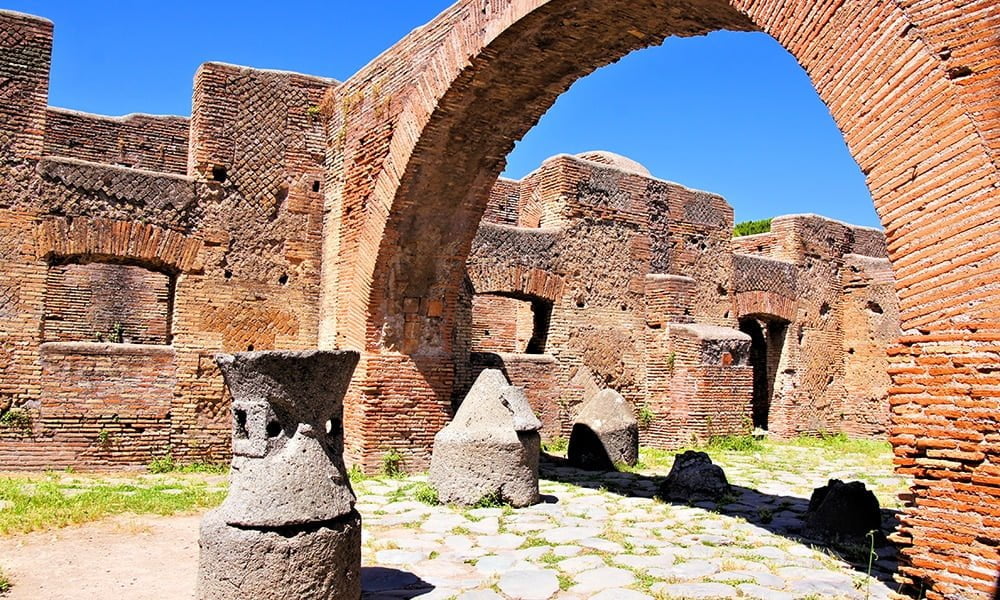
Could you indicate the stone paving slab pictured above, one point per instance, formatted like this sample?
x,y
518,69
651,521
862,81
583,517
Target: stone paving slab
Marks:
x,y
597,536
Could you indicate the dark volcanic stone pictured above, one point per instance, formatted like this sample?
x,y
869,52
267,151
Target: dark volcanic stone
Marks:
x,y
605,433
694,477
843,511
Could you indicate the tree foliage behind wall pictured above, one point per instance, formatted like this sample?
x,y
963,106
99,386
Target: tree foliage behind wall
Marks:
x,y
752,227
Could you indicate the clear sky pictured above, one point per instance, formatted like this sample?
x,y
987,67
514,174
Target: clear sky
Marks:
x,y
729,113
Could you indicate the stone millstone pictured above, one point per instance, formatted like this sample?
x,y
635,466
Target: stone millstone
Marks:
x,y
694,477
842,511
287,468
312,563
288,528
605,433
490,448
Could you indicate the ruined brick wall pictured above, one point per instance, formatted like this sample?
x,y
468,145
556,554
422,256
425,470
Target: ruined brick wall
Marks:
x,y
909,85
602,224
871,326
500,324
150,142
25,58
794,278
617,237
198,263
257,148
104,406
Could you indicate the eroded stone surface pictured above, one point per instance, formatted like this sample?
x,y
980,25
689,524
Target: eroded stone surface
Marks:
x,y
288,466
844,512
288,526
491,448
694,477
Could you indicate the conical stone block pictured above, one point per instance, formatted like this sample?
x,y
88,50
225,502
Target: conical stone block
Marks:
x,y
491,447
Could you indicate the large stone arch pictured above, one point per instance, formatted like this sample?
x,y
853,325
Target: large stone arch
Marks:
x,y
420,135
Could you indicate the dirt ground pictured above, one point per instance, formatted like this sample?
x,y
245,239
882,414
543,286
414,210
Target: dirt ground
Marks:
x,y
124,557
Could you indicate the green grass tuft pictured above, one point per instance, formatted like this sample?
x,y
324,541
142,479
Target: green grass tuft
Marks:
x,y
17,419
735,443
491,500
392,463
167,464
840,442
424,492
555,446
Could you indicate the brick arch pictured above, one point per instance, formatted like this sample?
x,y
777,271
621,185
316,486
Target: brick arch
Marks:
x,y
423,132
107,239
516,280
771,304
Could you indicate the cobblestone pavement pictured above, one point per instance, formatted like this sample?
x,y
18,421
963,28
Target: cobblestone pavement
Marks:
x,y
603,536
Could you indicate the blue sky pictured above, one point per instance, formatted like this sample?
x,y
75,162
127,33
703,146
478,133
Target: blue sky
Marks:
x,y
729,113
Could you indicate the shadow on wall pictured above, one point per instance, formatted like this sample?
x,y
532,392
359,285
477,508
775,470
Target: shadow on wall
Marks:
x,y
782,515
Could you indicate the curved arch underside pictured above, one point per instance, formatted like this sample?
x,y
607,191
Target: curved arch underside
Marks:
x,y
423,131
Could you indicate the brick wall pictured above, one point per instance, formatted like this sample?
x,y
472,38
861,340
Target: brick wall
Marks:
x,y
613,236
107,302
25,57
89,242
149,142
423,131
100,405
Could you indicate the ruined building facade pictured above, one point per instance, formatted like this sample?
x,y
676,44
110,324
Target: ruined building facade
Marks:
x,y
295,189
135,248
592,273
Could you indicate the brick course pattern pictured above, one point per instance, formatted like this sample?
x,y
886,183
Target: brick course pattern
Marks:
x,y
912,85
422,131
123,230
627,262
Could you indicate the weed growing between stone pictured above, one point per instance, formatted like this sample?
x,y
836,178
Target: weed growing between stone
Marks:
x,y
16,419
424,492
5,583
167,464
392,463
556,446
57,501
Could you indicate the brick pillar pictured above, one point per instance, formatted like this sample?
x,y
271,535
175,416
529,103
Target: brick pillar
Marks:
x,y
397,403
25,57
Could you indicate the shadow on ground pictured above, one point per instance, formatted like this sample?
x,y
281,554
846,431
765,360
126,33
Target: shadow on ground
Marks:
x,y
383,583
782,515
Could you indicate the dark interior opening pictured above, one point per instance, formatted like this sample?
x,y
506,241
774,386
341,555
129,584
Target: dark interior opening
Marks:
x,y
767,340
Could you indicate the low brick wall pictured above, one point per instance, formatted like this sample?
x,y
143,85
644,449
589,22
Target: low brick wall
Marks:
x,y
101,405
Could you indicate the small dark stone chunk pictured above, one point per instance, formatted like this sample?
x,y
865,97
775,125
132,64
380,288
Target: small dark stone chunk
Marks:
x,y
843,512
694,477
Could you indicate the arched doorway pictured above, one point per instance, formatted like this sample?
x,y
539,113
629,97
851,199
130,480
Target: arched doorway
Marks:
x,y
422,132
767,340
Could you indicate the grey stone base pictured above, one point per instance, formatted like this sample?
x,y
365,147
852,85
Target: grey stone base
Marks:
x,y
464,470
302,563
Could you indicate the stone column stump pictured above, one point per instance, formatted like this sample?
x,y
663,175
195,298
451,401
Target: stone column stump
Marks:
x,y
288,528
